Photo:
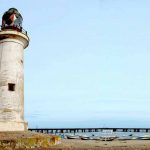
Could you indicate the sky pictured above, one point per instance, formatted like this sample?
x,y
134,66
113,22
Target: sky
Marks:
x,y
87,64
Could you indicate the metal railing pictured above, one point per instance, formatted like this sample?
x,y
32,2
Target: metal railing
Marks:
x,y
16,28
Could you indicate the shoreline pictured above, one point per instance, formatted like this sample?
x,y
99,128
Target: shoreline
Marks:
x,y
75,144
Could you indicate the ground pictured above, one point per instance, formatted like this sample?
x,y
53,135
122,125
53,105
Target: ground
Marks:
x,y
101,145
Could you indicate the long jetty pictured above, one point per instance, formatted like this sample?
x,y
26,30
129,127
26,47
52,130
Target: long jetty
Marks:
x,y
81,130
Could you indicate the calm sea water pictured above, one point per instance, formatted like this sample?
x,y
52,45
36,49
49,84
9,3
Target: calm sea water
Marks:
x,y
118,134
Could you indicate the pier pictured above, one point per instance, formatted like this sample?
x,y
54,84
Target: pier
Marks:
x,y
82,130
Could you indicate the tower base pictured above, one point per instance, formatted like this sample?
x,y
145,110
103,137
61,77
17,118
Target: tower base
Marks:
x,y
13,126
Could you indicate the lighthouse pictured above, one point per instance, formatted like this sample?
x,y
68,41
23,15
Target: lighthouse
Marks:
x,y
13,41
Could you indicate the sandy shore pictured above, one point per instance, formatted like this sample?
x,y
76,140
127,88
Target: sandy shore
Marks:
x,y
30,140
102,145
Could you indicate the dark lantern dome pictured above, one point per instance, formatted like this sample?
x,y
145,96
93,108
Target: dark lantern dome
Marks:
x,y
12,19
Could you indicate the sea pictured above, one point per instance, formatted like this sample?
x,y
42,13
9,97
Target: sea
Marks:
x,y
110,133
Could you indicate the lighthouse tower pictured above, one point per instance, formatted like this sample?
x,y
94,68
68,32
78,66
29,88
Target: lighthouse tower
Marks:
x,y
13,41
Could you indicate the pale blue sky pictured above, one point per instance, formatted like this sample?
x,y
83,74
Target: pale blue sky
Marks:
x,y
88,62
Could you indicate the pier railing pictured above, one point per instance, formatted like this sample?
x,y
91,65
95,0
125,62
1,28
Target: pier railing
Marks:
x,y
81,130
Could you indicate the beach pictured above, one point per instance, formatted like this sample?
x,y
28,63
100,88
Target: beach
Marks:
x,y
77,144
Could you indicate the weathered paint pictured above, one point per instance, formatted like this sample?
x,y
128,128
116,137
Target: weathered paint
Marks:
x,y
12,44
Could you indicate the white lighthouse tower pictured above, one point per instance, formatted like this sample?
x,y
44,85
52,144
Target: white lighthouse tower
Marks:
x,y
13,41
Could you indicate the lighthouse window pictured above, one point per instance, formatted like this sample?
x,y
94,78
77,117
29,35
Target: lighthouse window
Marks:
x,y
11,87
